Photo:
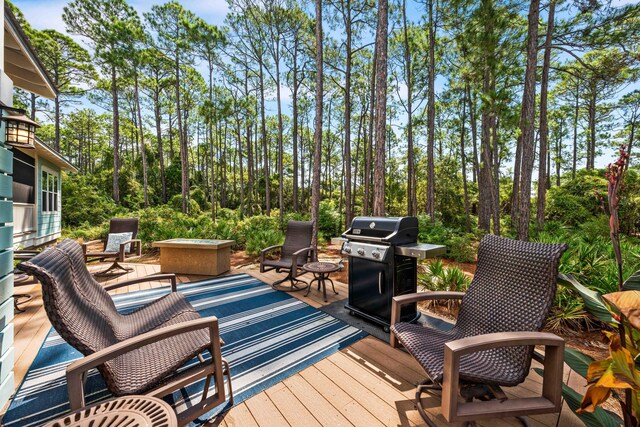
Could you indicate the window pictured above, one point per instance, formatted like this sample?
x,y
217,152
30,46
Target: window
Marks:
x,y
50,192
24,178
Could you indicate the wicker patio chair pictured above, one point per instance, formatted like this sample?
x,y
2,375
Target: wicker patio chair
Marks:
x,y
136,353
129,248
295,252
492,342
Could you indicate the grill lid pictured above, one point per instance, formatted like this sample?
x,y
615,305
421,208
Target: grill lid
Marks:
x,y
390,230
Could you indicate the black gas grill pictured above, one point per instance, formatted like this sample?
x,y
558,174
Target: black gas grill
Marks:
x,y
383,255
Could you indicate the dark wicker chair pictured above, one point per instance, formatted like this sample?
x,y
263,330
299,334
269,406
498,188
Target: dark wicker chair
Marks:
x,y
116,225
492,342
295,252
136,353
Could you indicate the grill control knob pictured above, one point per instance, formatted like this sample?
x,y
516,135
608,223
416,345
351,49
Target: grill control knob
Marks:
x,y
361,251
376,254
346,249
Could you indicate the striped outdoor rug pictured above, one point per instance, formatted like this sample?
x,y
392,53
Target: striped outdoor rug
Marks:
x,y
269,336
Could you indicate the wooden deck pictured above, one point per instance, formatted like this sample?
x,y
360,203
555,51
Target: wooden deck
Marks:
x,y
366,384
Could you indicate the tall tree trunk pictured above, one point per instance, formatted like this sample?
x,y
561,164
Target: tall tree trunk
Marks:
x,y
544,128
184,149
431,114
249,152
295,127
412,203
558,160
474,133
241,168
56,143
116,136
527,118
495,158
348,211
485,181
381,109
369,148
280,145
32,113
143,150
632,132
463,160
267,183
317,135
358,154
576,115
157,114
592,130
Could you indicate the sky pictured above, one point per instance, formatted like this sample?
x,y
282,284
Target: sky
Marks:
x,y
42,14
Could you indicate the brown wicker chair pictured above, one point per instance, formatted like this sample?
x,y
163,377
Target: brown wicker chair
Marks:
x,y
492,342
136,353
295,252
116,225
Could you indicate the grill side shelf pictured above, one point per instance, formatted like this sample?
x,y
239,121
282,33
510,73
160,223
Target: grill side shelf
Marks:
x,y
420,250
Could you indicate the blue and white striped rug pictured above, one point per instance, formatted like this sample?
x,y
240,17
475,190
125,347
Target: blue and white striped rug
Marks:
x,y
269,336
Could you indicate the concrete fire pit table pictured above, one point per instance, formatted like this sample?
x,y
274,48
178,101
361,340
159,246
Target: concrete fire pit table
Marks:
x,y
194,256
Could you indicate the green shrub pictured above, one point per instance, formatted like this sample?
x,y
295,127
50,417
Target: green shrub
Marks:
x,y
83,204
596,228
461,246
226,214
176,203
87,232
197,195
256,224
329,219
260,239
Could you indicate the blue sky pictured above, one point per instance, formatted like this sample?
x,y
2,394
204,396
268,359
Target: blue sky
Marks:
x,y
48,13
43,14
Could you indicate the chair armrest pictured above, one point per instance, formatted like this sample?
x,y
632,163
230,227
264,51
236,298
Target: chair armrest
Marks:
x,y
76,372
152,278
501,339
134,242
85,245
264,251
553,362
294,259
399,301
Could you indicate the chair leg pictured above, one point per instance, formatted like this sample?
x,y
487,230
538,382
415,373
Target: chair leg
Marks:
x,y
115,266
293,287
21,299
427,386
207,384
227,373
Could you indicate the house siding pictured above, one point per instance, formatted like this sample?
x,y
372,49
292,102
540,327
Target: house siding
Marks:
x,y
49,223
6,256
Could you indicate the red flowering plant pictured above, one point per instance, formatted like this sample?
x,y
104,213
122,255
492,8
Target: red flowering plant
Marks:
x,y
615,177
618,375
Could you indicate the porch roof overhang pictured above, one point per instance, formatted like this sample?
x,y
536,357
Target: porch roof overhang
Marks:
x,y
21,63
52,156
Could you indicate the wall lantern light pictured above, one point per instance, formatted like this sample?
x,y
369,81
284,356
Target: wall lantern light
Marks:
x,y
20,130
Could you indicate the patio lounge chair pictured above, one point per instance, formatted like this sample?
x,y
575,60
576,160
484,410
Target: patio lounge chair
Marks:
x,y
492,342
295,252
136,353
122,247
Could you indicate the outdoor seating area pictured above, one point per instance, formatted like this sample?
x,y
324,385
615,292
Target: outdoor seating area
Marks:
x,y
367,382
319,213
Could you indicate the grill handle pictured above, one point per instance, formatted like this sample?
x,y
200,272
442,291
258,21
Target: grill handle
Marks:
x,y
380,281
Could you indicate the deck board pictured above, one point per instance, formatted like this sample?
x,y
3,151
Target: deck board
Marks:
x,y
366,384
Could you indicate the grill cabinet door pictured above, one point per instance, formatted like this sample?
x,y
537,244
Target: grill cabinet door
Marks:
x,y
370,288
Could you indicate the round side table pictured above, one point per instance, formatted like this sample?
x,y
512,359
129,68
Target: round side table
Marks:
x,y
321,272
130,411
